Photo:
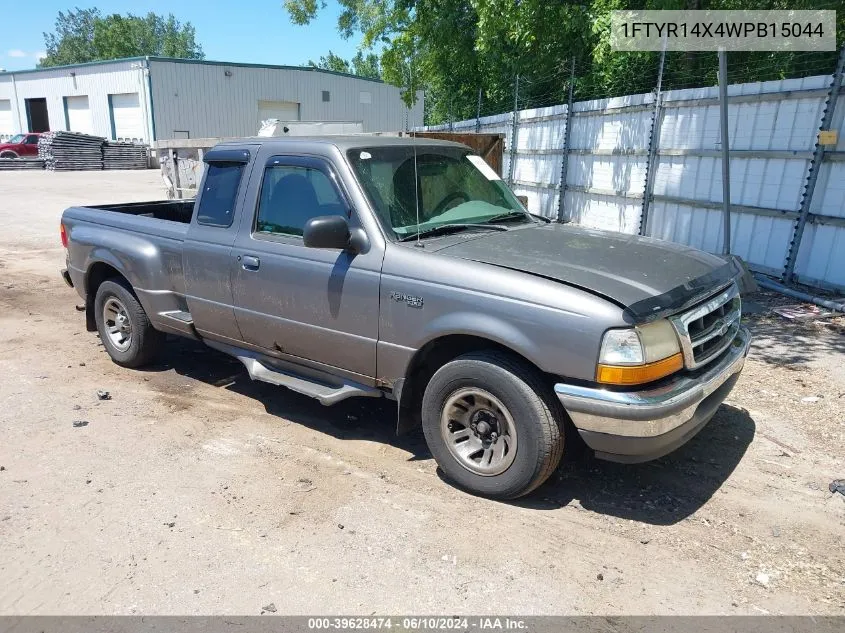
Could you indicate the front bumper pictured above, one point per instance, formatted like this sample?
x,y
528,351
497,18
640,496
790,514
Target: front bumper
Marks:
x,y
638,426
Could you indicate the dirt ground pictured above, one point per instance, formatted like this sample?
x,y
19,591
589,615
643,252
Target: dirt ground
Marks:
x,y
195,491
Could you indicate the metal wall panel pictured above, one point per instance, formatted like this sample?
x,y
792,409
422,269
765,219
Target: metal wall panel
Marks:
x,y
821,257
759,240
539,143
829,198
785,117
96,81
206,99
606,212
772,127
221,100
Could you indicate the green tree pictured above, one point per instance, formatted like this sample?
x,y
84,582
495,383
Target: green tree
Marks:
x,y
331,62
453,48
84,35
366,65
361,65
73,38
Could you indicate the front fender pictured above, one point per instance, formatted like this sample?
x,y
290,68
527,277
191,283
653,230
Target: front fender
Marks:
x,y
481,325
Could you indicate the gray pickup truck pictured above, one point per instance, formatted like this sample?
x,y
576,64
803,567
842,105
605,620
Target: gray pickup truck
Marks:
x,y
399,268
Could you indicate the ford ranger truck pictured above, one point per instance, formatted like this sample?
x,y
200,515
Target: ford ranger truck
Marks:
x,y
368,266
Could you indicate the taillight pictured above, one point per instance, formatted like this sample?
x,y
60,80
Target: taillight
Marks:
x,y
63,233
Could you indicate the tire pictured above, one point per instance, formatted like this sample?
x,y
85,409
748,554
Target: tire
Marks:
x,y
8,154
124,327
491,388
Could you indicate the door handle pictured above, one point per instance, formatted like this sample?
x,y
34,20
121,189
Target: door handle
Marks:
x,y
248,262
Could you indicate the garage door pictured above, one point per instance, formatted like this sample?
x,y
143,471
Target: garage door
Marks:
x,y
78,115
6,117
126,120
282,110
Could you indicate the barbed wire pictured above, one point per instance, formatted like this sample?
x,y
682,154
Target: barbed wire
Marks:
x,y
622,75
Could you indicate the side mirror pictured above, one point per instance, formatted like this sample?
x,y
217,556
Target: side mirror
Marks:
x,y
327,231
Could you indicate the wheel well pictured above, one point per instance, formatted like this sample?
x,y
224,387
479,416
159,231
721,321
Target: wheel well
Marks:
x,y
97,274
7,153
431,357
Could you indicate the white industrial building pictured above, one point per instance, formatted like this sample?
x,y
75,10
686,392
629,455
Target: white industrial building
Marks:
x,y
152,98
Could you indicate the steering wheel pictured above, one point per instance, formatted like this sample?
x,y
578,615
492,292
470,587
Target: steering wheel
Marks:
x,y
450,198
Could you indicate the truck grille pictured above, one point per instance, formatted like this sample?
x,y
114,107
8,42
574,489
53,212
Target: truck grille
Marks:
x,y
708,329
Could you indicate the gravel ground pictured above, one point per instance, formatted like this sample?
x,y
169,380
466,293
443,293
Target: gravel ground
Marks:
x,y
195,491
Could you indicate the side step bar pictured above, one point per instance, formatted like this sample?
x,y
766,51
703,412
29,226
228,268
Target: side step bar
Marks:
x,y
326,389
179,315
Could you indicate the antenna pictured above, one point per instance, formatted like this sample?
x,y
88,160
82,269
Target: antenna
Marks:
x,y
416,175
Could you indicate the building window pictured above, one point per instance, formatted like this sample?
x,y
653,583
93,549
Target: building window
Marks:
x,y
326,96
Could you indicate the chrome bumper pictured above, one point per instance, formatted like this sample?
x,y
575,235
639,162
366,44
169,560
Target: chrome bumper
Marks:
x,y
641,425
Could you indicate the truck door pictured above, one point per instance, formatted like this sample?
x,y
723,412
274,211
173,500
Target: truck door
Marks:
x,y
207,255
299,303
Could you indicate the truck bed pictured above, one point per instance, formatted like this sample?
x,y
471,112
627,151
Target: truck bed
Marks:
x,y
148,238
172,210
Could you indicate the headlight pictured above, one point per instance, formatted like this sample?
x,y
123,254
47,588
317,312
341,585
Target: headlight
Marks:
x,y
621,347
641,354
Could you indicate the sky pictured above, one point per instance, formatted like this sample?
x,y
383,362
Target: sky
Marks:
x,y
252,31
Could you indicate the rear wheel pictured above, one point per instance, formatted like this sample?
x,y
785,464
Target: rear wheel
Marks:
x,y
124,327
492,425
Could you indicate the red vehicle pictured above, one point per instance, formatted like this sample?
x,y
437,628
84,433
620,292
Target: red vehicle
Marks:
x,y
20,146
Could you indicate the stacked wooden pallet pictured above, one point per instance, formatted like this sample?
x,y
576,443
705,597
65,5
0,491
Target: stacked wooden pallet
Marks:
x,y
71,151
21,163
124,155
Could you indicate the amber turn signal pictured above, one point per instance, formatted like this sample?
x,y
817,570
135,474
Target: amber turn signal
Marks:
x,y
639,374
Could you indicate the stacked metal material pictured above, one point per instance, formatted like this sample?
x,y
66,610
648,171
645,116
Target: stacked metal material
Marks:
x,y
21,163
124,155
71,151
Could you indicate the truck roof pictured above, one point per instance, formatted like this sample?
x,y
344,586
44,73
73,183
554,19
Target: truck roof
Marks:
x,y
344,142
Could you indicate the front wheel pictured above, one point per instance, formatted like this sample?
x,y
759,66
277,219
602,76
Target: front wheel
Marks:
x,y
124,327
492,425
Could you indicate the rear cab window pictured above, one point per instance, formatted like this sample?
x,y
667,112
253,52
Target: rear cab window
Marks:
x,y
219,193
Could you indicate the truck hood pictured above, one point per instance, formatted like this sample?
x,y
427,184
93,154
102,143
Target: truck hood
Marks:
x,y
647,277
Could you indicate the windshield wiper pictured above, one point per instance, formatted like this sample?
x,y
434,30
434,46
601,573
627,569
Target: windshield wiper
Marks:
x,y
443,229
510,215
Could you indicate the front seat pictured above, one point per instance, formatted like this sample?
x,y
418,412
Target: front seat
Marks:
x,y
292,204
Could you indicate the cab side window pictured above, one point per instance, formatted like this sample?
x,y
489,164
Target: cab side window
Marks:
x,y
32,139
293,194
219,193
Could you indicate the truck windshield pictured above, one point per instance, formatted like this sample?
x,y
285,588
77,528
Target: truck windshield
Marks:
x,y
452,186
17,138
